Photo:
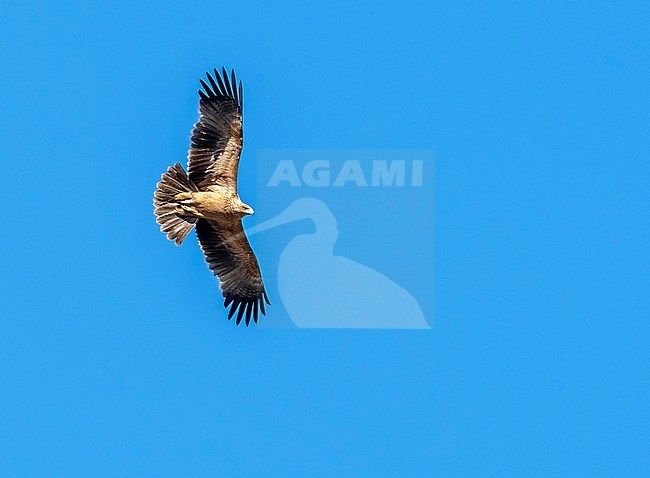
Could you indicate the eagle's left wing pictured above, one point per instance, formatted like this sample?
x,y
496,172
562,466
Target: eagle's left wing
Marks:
x,y
217,138
230,257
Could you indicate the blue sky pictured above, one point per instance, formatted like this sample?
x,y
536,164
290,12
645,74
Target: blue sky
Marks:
x,y
115,356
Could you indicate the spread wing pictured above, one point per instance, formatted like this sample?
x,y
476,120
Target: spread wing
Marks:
x,y
230,257
218,136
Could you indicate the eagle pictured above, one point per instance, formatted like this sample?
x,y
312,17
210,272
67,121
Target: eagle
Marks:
x,y
205,197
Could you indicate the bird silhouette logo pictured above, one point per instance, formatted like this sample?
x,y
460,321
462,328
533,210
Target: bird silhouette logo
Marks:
x,y
322,290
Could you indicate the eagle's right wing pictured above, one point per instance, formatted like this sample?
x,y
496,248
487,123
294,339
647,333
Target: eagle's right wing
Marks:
x,y
230,257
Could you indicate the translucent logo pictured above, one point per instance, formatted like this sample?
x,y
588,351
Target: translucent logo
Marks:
x,y
346,238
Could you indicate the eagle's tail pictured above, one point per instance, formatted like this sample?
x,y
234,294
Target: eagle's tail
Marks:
x,y
174,181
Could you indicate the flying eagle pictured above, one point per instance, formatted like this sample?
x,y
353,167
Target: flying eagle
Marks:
x,y
206,197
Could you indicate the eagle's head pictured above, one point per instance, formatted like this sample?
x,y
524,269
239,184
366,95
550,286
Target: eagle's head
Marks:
x,y
242,208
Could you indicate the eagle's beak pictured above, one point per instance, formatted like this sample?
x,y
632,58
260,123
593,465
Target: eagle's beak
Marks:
x,y
249,211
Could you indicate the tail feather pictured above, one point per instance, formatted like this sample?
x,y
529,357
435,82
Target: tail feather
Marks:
x,y
174,181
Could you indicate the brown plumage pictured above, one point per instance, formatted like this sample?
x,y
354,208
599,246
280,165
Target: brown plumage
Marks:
x,y
206,197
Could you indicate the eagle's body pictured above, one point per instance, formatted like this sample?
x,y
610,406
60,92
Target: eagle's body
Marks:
x,y
217,203
206,198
